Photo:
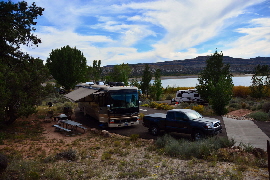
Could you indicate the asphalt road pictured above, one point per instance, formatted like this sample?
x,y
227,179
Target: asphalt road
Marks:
x,y
137,129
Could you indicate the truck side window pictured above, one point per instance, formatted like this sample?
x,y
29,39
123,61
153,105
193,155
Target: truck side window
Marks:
x,y
170,115
180,116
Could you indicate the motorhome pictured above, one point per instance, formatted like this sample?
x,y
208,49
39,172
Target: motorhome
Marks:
x,y
113,105
190,95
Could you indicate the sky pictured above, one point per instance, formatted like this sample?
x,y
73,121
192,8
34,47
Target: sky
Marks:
x,y
149,31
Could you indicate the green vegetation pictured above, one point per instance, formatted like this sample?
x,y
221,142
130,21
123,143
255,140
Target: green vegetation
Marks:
x,y
212,149
21,75
94,72
260,81
156,105
215,83
259,116
156,88
67,66
120,73
146,78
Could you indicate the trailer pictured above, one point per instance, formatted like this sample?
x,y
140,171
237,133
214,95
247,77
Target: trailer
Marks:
x,y
190,95
113,105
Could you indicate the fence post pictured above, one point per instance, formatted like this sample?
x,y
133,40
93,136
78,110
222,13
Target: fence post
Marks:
x,y
268,152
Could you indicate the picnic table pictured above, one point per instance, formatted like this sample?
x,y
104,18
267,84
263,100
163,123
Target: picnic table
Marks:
x,y
69,125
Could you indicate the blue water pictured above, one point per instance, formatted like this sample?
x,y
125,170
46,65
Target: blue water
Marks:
x,y
192,82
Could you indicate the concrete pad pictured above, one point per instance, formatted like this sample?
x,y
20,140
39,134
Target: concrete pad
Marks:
x,y
246,132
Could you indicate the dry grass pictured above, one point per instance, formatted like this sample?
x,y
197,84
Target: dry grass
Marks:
x,y
41,153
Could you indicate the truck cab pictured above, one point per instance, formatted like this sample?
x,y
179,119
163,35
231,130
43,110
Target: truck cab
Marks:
x,y
182,121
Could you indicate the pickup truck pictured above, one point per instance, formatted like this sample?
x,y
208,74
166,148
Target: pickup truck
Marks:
x,y
182,121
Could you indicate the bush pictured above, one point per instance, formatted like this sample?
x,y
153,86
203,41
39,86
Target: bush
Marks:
x,y
259,116
156,105
241,91
266,107
198,108
68,154
187,149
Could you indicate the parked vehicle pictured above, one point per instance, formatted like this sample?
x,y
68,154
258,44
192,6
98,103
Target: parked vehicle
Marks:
x,y
113,105
190,95
182,121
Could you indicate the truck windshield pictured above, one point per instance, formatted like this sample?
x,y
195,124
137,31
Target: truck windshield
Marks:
x,y
124,99
193,115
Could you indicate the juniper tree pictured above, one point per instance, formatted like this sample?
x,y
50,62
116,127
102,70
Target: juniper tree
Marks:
x,y
21,75
67,66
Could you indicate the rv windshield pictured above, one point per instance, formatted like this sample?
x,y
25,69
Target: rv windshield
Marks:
x,y
124,99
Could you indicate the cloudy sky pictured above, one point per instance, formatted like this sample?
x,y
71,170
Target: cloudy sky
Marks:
x,y
147,31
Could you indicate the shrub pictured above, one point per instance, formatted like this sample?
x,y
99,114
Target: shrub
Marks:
x,y
241,91
259,116
156,105
198,108
266,107
134,137
106,156
187,149
68,154
169,96
3,162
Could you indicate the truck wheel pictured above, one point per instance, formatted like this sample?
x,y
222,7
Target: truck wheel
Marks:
x,y
197,135
154,130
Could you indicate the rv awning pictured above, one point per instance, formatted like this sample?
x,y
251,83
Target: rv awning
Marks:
x,y
78,94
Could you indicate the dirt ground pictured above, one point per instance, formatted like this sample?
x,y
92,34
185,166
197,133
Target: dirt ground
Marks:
x,y
51,134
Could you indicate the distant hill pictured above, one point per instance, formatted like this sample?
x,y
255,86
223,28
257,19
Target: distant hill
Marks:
x,y
194,66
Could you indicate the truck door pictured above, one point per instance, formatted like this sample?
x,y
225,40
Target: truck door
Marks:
x,y
170,121
181,122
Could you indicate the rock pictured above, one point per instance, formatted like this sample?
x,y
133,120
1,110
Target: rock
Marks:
x,y
3,162
105,133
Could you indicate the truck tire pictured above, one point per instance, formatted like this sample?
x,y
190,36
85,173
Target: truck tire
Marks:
x,y
154,130
197,135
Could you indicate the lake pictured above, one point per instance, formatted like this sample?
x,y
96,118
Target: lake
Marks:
x,y
192,82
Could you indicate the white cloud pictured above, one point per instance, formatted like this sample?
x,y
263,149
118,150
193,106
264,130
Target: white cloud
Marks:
x,y
177,27
255,42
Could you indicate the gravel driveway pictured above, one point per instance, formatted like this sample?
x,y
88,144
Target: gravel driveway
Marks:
x,y
138,129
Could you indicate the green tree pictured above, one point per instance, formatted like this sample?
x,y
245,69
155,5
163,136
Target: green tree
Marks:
x,y
135,82
95,71
67,66
21,75
215,83
260,81
156,89
146,78
120,73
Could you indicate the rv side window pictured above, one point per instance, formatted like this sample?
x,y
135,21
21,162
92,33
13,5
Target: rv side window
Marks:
x,y
196,95
179,95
